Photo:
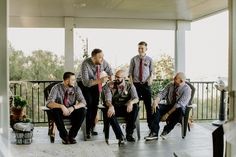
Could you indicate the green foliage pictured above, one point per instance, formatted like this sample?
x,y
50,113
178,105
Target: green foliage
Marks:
x,y
45,65
19,102
164,67
41,65
158,85
17,63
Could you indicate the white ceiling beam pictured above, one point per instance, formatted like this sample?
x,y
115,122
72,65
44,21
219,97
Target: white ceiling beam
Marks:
x,y
118,23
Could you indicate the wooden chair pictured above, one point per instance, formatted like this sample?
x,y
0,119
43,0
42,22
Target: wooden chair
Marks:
x,y
51,123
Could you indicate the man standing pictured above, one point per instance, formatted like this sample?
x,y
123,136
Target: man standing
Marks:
x,y
90,82
67,100
121,99
178,95
140,73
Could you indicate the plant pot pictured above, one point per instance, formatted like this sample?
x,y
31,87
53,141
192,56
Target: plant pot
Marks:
x,y
17,115
17,111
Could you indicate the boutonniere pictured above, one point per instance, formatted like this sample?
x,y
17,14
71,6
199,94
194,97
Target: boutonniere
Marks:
x,y
71,93
126,92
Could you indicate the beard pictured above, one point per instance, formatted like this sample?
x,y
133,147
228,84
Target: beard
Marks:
x,y
118,82
70,85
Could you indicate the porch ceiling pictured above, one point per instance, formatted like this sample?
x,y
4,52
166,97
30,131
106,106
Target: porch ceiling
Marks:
x,y
167,10
144,9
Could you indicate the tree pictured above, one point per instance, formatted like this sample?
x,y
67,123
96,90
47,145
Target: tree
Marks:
x,y
17,63
44,65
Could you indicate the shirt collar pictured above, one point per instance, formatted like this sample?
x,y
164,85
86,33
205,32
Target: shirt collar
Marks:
x,y
140,57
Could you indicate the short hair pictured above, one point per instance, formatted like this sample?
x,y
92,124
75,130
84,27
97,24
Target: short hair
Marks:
x,y
95,52
142,43
181,76
67,75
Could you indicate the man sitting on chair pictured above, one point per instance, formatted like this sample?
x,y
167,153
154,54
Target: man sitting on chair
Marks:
x,y
121,100
177,95
66,100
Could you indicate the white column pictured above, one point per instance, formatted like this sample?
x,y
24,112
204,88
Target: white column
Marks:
x,y
4,77
69,44
181,27
232,56
231,148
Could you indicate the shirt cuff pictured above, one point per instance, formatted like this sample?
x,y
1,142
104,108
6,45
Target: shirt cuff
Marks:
x,y
178,105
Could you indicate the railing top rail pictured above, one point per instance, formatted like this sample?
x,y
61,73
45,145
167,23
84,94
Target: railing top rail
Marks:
x,y
44,81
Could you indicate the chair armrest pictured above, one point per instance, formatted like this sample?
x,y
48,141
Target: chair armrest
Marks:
x,y
100,106
192,106
45,108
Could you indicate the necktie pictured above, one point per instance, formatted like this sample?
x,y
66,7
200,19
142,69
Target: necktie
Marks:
x,y
98,77
141,70
65,100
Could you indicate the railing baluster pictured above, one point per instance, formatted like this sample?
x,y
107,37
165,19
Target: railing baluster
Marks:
x,y
211,99
32,104
207,101
216,113
38,103
44,115
197,100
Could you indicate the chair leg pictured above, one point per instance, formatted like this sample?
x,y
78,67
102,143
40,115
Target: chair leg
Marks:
x,y
188,127
52,129
51,126
83,128
182,127
137,123
106,131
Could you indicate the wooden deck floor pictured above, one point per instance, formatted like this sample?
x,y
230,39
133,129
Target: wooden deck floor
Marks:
x,y
197,143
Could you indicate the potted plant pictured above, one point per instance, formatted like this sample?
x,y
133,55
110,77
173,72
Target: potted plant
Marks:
x,y
18,110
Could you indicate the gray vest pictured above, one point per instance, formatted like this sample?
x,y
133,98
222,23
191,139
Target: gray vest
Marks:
x,y
120,99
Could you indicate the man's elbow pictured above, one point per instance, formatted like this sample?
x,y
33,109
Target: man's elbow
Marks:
x,y
50,105
86,83
136,100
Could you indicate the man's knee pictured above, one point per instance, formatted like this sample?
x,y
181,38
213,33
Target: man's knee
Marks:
x,y
57,111
81,111
112,118
135,107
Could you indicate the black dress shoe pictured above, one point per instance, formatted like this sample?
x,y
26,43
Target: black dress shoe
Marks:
x,y
152,136
122,141
72,141
65,140
130,138
88,136
94,133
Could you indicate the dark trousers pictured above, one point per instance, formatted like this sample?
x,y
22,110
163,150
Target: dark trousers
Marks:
x,y
145,94
171,121
91,95
129,117
76,117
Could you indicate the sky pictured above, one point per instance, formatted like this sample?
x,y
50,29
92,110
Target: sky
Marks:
x,y
206,44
